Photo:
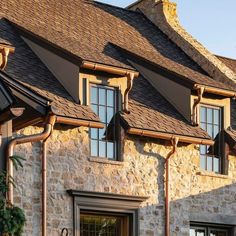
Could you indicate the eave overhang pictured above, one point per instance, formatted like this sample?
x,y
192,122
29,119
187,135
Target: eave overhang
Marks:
x,y
36,101
169,136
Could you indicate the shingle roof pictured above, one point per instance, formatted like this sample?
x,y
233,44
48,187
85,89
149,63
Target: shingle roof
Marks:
x,y
85,28
150,111
25,67
230,137
4,41
74,27
230,62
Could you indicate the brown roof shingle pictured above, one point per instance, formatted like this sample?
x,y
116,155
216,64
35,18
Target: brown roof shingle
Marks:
x,y
230,138
230,62
74,27
85,28
25,67
150,111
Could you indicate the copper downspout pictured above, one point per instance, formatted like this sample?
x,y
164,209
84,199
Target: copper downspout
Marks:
x,y
32,138
200,91
44,188
130,79
174,142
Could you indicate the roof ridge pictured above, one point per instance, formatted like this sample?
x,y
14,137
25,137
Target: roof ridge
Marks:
x,y
150,22
233,59
114,6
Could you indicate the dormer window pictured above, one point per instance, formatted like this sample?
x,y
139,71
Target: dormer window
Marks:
x,y
211,121
104,102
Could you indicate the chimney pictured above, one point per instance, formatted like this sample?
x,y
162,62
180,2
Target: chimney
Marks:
x,y
157,10
163,14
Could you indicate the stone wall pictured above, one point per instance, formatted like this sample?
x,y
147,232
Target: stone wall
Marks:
x,y
141,173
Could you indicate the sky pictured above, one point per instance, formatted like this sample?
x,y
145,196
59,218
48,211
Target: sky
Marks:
x,y
211,22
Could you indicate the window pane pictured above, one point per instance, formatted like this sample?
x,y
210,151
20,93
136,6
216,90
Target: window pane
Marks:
x,y
218,233
197,232
95,108
102,114
203,114
210,130
202,149
110,150
203,162
94,95
102,149
209,163
94,148
96,225
110,113
102,96
203,126
110,98
102,133
216,165
94,133
216,117
209,115
200,233
216,130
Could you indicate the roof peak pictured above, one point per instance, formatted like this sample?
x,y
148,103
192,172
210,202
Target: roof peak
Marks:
x,y
114,6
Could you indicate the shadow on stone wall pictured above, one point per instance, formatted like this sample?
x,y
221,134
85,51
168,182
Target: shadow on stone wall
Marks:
x,y
216,206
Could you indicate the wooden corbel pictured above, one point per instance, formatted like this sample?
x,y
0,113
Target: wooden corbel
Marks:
x,y
4,51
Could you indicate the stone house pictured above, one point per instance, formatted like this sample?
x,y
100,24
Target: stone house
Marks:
x,y
126,122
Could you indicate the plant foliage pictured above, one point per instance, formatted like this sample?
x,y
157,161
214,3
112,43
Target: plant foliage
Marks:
x,y
12,218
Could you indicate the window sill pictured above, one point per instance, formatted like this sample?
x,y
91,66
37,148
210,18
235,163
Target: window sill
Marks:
x,y
212,174
105,161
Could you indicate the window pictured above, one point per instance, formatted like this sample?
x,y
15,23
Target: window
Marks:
x,y
97,224
210,230
103,101
105,214
211,121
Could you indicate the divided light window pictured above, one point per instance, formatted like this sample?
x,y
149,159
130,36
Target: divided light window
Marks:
x,y
103,101
104,224
211,121
211,230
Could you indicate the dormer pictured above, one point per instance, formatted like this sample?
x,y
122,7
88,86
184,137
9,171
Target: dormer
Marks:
x,y
76,75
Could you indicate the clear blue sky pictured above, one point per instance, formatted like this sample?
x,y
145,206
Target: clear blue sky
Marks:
x,y
212,22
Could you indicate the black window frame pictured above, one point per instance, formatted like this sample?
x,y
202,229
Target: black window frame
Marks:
x,y
221,152
115,131
208,227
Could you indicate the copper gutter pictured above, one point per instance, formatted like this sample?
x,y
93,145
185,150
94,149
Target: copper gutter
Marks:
x,y
166,136
174,142
195,119
75,122
130,79
5,50
26,139
108,69
217,91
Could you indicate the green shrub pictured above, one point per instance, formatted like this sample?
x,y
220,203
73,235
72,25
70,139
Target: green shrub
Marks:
x,y
12,218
